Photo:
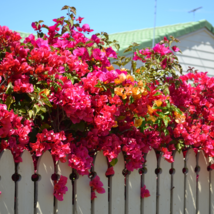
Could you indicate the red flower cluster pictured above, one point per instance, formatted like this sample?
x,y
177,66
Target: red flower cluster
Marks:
x,y
59,92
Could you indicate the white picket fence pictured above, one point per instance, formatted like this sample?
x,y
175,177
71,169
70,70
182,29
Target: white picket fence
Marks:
x,y
171,193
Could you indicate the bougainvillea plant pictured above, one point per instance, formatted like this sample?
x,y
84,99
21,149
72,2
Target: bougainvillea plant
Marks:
x,y
59,92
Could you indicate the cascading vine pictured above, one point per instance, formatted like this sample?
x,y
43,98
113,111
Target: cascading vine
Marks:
x,y
59,92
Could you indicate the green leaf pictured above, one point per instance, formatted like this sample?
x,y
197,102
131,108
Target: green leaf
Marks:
x,y
127,50
44,126
79,126
30,113
73,10
166,91
65,7
117,46
157,93
134,65
9,101
135,44
9,89
114,162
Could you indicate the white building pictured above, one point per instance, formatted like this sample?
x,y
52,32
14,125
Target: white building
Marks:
x,y
196,43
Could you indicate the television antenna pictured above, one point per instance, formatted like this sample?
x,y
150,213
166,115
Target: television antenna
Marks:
x,y
153,42
193,11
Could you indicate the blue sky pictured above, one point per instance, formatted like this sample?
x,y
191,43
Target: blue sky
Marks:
x,y
111,16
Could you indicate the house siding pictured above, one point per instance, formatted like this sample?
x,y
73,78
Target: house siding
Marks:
x,y
197,51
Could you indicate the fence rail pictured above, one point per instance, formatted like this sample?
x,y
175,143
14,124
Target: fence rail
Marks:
x,y
183,187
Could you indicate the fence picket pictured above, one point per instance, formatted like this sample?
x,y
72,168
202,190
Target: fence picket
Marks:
x,y
133,196
25,187
178,184
65,206
203,184
117,186
45,184
149,204
164,187
7,185
82,201
190,193
100,167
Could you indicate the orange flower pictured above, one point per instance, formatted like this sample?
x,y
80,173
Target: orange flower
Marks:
x,y
122,77
45,91
111,67
140,83
143,91
179,118
115,125
152,118
137,71
136,93
129,77
158,103
138,122
119,91
150,110
129,90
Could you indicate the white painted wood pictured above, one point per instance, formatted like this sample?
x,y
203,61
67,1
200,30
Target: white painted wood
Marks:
x,y
164,187
149,204
45,184
190,195
203,185
178,184
100,167
7,185
197,51
25,187
134,188
82,195
65,206
118,187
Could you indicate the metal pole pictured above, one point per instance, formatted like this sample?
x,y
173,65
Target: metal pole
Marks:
x,y
153,43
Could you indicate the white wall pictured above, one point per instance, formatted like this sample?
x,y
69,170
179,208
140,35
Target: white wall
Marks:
x,y
197,51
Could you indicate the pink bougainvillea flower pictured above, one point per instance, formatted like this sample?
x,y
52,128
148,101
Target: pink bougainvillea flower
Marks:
x,y
97,185
110,171
167,155
144,192
175,48
79,19
93,195
60,188
212,166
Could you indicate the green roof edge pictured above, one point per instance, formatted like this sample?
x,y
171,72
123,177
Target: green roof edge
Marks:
x,y
195,26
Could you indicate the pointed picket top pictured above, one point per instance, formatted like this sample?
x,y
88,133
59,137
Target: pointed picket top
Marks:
x,y
65,206
100,167
117,186
203,184
164,186
178,183
25,186
149,179
7,185
45,185
190,195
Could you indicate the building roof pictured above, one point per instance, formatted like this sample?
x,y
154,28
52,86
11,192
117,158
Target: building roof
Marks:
x,y
144,37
